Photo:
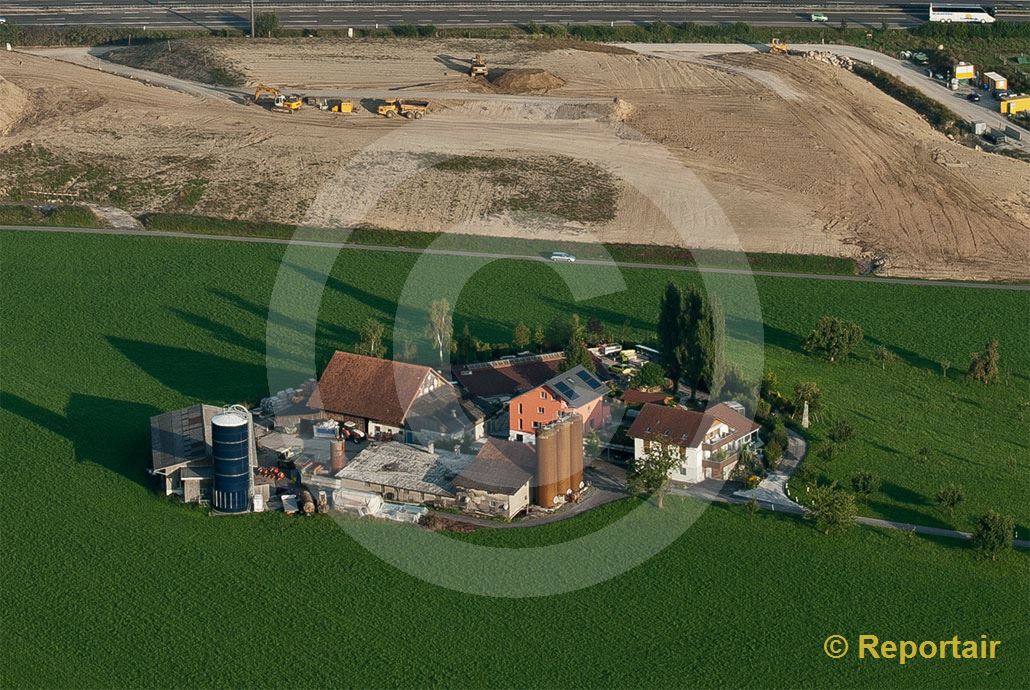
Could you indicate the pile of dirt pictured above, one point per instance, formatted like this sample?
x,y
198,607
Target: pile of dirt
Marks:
x,y
621,110
528,80
13,103
183,59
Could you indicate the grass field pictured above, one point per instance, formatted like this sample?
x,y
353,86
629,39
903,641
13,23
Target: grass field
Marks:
x,y
108,584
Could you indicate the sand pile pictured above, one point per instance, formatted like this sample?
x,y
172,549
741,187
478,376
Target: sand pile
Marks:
x,y
621,110
13,103
527,80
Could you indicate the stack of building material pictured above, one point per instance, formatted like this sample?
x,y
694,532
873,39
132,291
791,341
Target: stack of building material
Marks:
x,y
842,61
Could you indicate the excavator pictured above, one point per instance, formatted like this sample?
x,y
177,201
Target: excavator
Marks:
x,y
778,47
477,67
281,103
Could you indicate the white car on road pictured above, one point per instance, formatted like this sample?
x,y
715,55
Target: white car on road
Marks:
x,y
562,257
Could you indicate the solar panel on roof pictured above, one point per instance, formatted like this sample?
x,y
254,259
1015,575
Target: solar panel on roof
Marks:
x,y
589,379
566,391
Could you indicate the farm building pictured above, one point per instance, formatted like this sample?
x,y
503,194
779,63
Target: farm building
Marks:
x,y
708,443
498,481
576,391
388,399
502,379
404,473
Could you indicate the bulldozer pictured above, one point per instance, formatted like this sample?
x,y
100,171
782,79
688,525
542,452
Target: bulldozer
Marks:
x,y
778,47
281,103
477,67
413,110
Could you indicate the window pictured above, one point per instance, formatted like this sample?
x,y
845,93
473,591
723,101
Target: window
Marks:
x,y
520,424
540,410
520,408
543,395
536,425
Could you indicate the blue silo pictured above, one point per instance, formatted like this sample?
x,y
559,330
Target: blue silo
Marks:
x,y
230,448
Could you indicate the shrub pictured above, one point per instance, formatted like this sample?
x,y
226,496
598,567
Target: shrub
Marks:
x,y
865,483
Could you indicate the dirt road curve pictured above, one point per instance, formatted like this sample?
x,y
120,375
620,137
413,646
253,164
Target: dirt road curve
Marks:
x,y
907,72
517,257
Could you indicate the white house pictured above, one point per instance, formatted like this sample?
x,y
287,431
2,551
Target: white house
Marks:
x,y
707,443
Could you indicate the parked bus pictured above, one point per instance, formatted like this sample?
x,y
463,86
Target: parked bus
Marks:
x,y
969,14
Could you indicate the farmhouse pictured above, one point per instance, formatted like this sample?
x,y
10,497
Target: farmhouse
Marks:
x,y
708,443
180,452
576,391
388,399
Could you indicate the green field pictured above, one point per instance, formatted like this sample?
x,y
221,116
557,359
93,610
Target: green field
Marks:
x,y
109,585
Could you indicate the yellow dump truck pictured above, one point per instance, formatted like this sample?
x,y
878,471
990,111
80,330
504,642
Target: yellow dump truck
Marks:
x,y
414,110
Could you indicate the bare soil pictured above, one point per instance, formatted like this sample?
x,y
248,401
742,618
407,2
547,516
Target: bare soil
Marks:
x,y
749,151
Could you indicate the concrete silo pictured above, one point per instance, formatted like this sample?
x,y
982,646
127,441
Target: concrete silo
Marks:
x,y
546,466
576,452
231,432
564,466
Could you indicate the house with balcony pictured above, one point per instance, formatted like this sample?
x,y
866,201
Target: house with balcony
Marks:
x,y
707,443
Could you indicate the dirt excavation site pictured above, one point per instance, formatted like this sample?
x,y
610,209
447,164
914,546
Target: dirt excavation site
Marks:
x,y
559,141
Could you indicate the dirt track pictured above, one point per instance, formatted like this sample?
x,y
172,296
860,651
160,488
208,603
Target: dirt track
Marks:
x,y
785,154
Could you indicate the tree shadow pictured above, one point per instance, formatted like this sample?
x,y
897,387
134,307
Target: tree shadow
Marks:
x,y
197,375
902,494
913,359
114,434
914,516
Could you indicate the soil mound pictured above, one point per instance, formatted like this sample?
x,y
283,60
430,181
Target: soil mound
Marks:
x,y
13,103
527,80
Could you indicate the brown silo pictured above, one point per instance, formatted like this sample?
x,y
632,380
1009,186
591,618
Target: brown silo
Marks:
x,y
576,452
564,458
546,466
337,456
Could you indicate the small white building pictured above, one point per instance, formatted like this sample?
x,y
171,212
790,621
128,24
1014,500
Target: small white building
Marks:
x,y
707,443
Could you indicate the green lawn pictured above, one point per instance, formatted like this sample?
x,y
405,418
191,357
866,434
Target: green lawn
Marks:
x,y
107,584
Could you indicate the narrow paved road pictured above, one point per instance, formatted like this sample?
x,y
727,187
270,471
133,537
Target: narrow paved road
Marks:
x,y
517,257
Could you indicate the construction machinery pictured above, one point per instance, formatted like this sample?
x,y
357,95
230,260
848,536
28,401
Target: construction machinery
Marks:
x,y
477,67
332,105
281,102
413,110
778,47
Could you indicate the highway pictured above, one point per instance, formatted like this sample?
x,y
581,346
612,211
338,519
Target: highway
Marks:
x,y
341,14
302,241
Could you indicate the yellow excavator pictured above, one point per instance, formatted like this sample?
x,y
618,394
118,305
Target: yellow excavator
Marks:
x,y
778,47
281,102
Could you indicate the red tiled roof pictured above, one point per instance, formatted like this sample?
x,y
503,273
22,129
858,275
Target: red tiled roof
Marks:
x,y
507,377
687,428
638,397
369,387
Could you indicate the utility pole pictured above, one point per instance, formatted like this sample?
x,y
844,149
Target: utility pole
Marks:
x,y
252,34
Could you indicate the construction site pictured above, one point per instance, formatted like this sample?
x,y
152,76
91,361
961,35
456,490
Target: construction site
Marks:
x,y
764,152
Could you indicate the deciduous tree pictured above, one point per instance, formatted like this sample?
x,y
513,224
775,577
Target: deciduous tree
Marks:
x,y
949,497
522,336
984,365
832,508
833,338
993,534
650,473
441,328
372,339
650,375
865,483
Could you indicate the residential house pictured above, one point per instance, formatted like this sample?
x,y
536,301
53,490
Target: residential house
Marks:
x,y
707,443
576,391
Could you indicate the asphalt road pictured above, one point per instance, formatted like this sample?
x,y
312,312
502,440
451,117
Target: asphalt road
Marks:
x,y
215,14
519,257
